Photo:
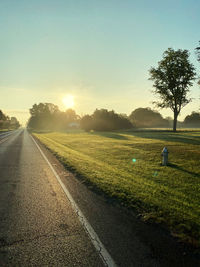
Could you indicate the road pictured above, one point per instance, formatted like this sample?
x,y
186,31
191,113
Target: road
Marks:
x,y
39,227
37,224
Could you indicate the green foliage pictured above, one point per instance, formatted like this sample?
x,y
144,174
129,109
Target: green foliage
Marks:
x,y
3,117
104,120
146,117
7,123
164,194
198,54
192,120
47,116
86,123
172,79
198,51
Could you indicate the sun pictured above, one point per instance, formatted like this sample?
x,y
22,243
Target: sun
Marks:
x,y
68,101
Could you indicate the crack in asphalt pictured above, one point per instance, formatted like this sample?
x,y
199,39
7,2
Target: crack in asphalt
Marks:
x,y
4,243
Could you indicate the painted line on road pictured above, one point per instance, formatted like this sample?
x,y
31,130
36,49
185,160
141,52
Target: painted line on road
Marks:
x,y
104,254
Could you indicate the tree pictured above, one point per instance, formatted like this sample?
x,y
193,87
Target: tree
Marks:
x,y
4,121
14,123
43,116
86,123
198,55
198,51
48,117
146,117
43,108
2,116
172,79
104,120
192,120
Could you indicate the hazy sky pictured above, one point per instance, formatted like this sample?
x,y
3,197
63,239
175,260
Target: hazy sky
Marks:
x,y
98,51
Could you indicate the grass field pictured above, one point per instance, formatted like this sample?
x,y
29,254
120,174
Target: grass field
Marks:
x,y
127,167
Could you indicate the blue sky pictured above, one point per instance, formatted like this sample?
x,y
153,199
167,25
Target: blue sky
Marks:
x,y
98,51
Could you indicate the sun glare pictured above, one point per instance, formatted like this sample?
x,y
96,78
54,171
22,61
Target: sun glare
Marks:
x,y
68,101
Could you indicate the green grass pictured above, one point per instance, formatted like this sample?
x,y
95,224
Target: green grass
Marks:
x,y
165,194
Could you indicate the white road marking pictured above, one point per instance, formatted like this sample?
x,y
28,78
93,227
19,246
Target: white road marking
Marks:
x,y
105,256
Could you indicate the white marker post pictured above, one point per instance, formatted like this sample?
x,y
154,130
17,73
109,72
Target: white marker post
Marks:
x,y
164,154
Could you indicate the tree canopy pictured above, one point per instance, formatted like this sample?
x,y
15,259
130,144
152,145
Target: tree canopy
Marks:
x,y
198,55
47,116
192,120
104,120
198,51
172,79
146,117
8,123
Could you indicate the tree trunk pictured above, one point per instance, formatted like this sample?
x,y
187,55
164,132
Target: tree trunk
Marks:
x,y
175,121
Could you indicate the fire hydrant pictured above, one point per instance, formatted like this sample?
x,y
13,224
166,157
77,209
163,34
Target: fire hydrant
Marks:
x,y
164,154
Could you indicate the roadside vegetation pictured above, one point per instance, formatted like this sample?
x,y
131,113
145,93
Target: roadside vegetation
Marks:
x,y
7,123
126,166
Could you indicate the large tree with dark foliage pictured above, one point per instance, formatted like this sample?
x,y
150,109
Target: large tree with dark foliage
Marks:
x,y
172,79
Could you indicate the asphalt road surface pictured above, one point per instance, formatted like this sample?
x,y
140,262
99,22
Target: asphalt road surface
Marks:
x,y
37,224
39,227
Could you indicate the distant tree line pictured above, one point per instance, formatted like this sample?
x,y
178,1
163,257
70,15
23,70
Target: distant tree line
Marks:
x,y
7,123
192,120
104,120
47,116
146,117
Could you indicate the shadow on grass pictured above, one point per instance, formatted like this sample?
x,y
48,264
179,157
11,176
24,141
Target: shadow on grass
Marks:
x,y
174,166
110,135
169,136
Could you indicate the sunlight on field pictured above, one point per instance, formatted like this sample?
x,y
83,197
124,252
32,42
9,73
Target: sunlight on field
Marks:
x,y
126,166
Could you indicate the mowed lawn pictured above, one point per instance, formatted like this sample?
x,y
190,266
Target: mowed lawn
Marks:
x,y
127,166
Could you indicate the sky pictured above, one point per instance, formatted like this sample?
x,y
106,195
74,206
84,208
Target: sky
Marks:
x,y
99,51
